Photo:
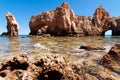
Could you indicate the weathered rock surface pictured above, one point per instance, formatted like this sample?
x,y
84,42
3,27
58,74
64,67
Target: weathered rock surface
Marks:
x,y
56,65
12,25
48,67
101,19
112,59
63,22
59,22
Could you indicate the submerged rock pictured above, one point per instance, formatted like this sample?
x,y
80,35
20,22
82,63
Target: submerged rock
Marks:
x,y
92,47
12,26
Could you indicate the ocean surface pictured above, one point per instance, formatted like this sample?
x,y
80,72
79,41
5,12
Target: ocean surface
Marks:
x,y
66,46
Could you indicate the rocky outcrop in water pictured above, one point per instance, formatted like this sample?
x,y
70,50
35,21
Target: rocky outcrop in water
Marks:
x,y
92,47
63,22
112,59
12,26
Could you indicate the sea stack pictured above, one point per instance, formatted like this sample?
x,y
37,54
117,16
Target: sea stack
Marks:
x,y
12,26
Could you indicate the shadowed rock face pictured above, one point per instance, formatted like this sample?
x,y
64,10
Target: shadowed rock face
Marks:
x,y
116,27
63,22
12,25
112,59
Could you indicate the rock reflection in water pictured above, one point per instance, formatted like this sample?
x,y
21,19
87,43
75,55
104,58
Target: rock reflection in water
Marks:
x,y
14,44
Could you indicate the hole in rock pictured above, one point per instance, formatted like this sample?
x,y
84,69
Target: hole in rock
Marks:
x,y
51,75
22,66
108,33
3,74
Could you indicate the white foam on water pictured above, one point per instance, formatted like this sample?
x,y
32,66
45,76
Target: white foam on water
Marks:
x,y
38,45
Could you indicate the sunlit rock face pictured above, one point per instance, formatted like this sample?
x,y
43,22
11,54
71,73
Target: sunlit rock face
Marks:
x,y
101,19
12,25
59,22
63,22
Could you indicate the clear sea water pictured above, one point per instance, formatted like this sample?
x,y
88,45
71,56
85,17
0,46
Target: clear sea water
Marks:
x,y
66,46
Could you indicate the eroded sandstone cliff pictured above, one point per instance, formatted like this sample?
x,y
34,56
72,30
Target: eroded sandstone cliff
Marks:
x,y
63,22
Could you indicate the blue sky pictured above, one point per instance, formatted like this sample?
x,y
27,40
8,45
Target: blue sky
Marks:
x,y
24,9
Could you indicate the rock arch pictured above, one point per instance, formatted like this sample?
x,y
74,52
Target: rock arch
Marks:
x,y
63,22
